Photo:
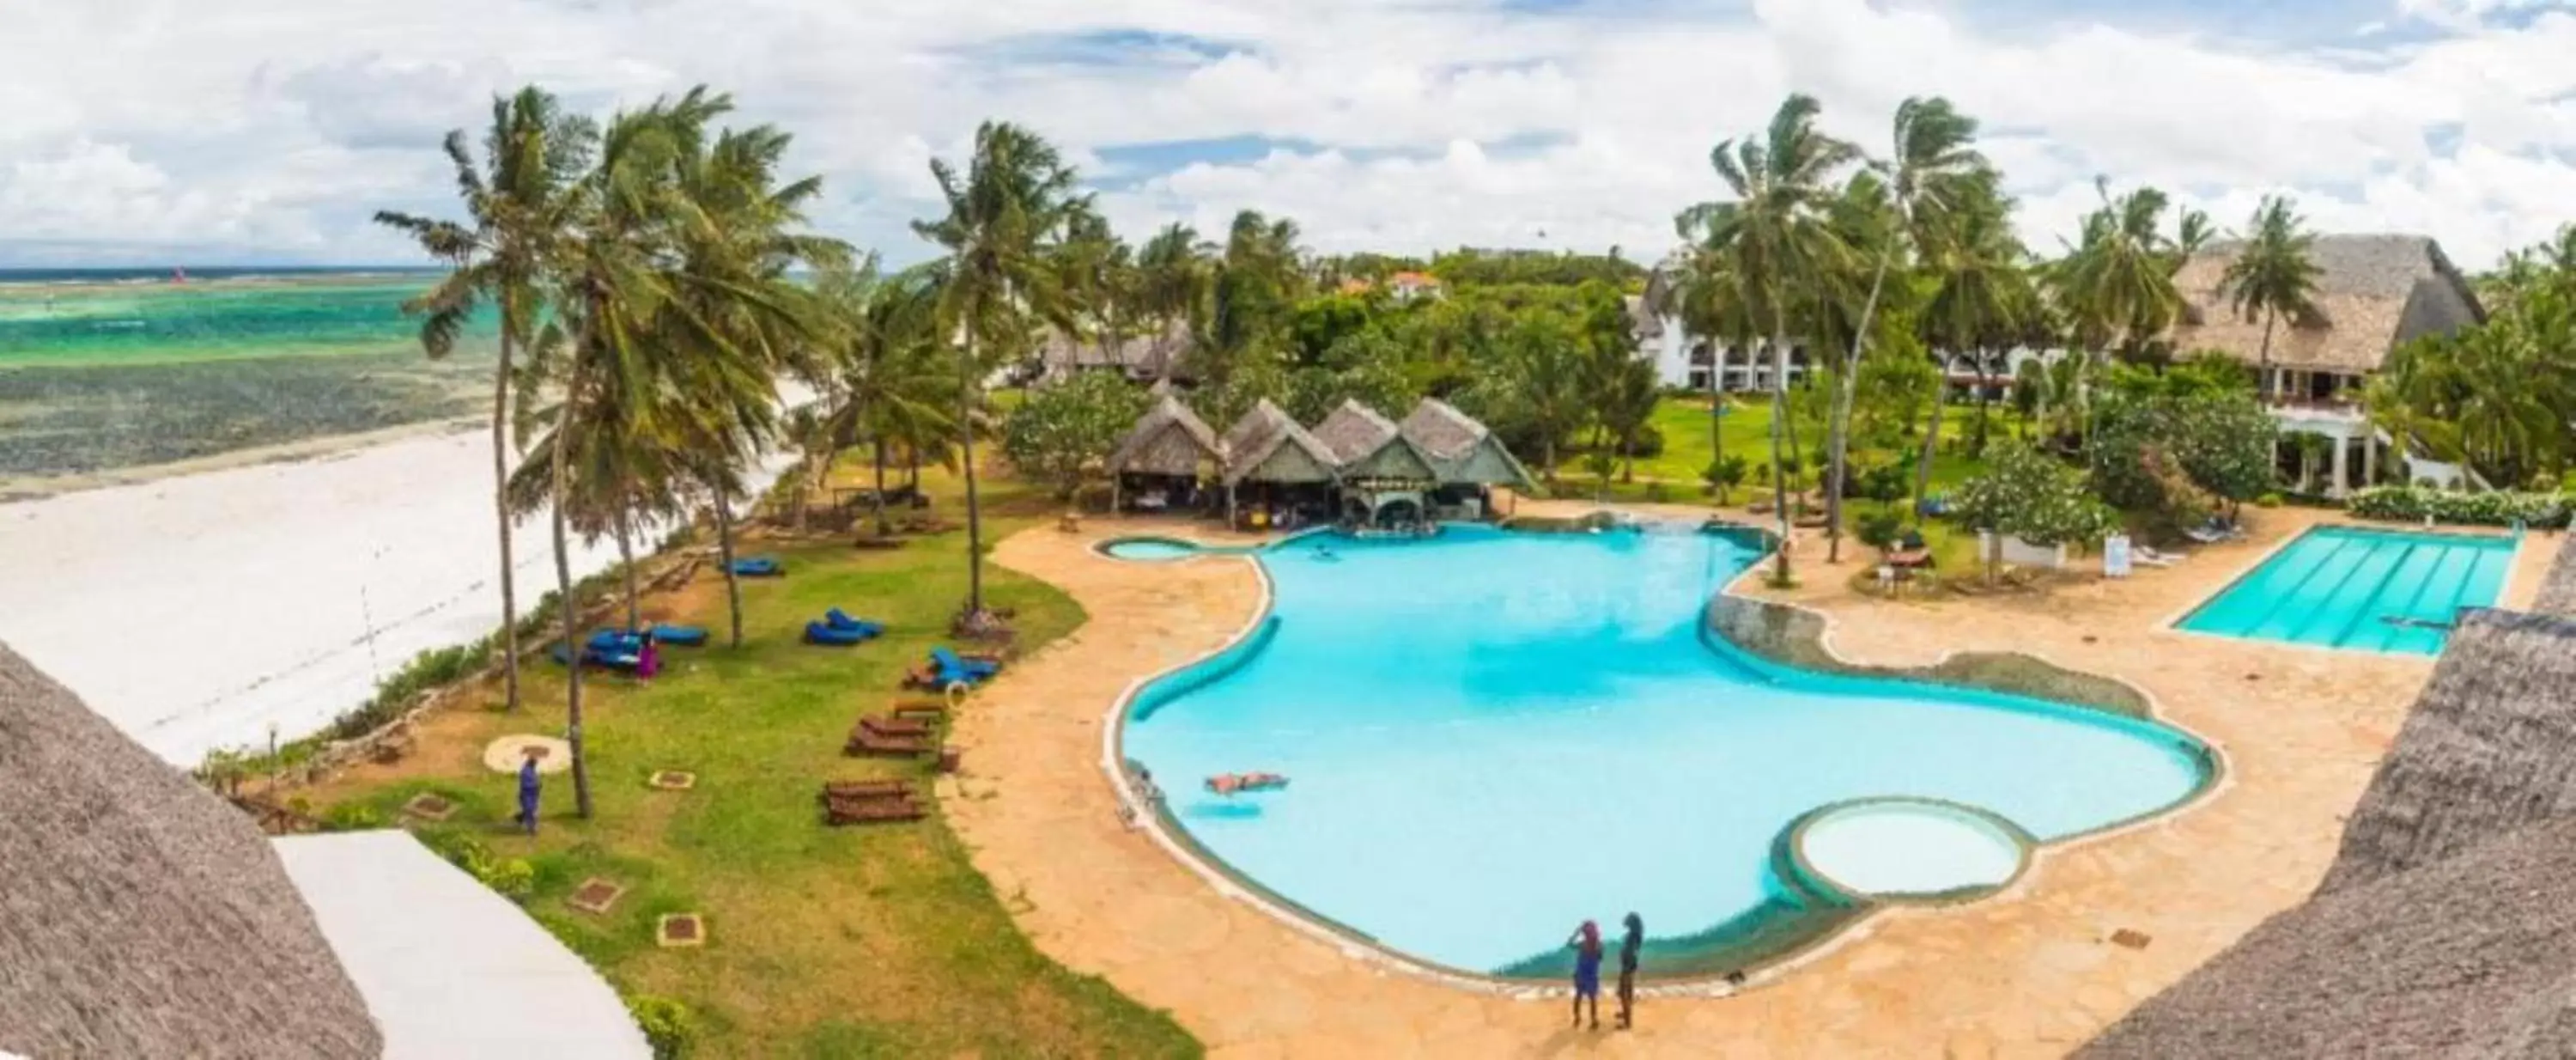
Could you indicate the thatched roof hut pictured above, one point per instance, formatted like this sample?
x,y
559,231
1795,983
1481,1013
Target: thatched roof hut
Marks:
x,y
1367,445
2447,924
2558,590
1462,450
2373,293
1139,357
139,914
1169,440
1267,445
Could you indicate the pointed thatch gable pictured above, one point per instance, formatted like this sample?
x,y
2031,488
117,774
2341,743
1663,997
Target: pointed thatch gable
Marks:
x,y
1367,445
2447,924
139,914
1267,445
1462,449
1169,440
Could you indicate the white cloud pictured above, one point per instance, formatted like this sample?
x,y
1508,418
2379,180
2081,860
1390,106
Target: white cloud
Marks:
x,y
283,124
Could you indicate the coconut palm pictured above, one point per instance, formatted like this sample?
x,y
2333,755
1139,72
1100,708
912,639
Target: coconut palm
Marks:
x,y
1006,211
891,384
1983,301
518,208
2116,285
2274,275
1172,273
1933,172
1776,234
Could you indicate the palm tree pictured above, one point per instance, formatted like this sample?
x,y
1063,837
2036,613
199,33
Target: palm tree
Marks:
x,y
519,209
1983,301
1172,273
1005,212
1933,173
1708,300
890,384
2117,286
1775,233
2274,275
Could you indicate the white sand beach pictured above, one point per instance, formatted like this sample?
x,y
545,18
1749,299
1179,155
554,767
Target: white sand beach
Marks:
x,y
199,611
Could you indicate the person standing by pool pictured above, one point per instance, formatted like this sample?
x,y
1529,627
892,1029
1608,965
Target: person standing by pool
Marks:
x,y
1634,941
1587,971
528,787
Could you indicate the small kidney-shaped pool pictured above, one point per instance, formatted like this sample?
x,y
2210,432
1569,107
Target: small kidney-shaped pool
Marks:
x,y
1490,737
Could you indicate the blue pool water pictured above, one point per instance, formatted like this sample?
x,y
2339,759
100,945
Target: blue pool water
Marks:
x,y
1493,736
2340,587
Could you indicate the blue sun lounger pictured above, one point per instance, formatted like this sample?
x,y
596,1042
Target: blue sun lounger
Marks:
x,y
839,619
760,567
594,655
963,669
824,633
680,636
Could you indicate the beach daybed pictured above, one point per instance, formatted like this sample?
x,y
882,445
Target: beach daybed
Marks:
x,y
839,619
824,633
759,567
680,636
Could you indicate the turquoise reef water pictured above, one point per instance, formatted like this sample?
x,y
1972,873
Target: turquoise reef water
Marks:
x,y
56,324
1493,736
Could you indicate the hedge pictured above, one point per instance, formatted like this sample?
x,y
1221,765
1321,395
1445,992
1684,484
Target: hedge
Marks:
x,y
2411,505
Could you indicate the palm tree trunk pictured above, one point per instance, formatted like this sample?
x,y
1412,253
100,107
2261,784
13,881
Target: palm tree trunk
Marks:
x,y
1931,446
1839,427
883,528
1779,429
724,553
565,600
1716,402
626,563
974,509
1985,383
501,506
2263,369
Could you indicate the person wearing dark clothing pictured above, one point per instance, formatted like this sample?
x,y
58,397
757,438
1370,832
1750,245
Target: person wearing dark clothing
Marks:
x,y
528,785
1629,945
1587,971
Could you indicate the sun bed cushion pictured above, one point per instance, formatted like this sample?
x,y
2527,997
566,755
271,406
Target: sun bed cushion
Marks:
x,y
759,567
840,619
683,636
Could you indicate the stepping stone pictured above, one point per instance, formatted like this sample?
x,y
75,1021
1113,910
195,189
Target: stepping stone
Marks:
x,y
2127,939
430,806
681,929
672,780
595,895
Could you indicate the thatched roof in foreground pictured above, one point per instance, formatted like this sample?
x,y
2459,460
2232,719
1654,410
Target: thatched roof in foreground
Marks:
x,y
2373,293
1460,447
139,914
2558,590
2447,924
1267,445
1169,440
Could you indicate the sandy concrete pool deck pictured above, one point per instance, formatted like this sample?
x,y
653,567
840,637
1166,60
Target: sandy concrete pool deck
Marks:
x,y
2029,972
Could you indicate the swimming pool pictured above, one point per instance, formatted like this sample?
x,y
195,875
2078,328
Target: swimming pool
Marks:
x,y
1149,548
2361,588
1492,736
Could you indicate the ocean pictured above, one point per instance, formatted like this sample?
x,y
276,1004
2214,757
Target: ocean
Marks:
x,y
108,369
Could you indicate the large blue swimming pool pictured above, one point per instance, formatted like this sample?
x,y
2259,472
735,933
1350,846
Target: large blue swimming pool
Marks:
x,y
2360,588
1492,736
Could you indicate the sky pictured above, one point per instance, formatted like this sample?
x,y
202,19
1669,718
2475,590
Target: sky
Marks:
x,y
150,132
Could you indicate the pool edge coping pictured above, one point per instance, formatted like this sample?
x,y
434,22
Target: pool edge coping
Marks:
x,y
1155,820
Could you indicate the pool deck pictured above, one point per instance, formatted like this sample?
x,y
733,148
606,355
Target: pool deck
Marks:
x,y
2029,972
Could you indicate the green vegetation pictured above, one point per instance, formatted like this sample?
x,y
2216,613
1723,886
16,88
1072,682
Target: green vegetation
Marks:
x,y
2408,504
880,940
2497,396
2033,497
1063,432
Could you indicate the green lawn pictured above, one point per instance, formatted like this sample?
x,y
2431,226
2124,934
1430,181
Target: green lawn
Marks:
x,y
876,940
1746,432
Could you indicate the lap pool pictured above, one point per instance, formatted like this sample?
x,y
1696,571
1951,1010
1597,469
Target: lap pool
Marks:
x,y
2362,589
1491,736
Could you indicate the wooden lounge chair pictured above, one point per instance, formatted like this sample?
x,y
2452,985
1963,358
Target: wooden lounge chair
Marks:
x,y
872,811
865,789
891,725
867,742
928,708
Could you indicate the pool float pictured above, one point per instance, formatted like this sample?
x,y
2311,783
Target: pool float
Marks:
x,y
1237,783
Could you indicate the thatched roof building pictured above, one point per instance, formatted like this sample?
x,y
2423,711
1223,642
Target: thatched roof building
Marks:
x,y
139,914
1462,450
1169,440
1267,445
1367,445
1138,357
2447,924
2558,590
2373,293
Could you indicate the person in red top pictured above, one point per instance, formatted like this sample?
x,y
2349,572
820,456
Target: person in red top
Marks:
x,y
1587,971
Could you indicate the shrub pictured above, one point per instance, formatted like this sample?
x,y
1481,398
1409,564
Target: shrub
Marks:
x,y
666,1023
1879,530
1723,474
2411,504
1648,442
2268,500
352,817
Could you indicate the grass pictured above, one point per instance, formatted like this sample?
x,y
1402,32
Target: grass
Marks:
x,y
868,941
1746,432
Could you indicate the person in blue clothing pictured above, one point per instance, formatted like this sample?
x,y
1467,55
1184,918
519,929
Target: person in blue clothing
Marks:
x,y
528,786
1587,971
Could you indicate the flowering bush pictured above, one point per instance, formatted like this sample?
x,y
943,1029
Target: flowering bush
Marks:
x,y
2410,504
